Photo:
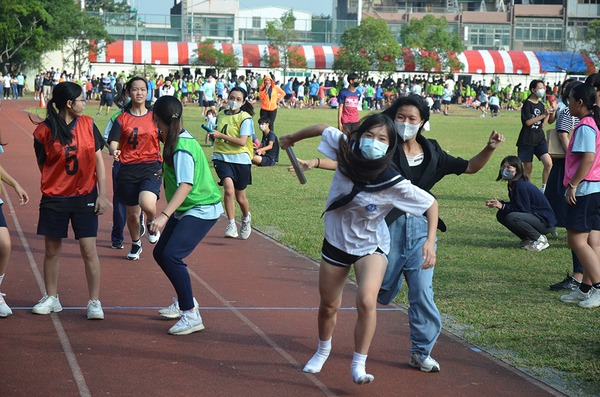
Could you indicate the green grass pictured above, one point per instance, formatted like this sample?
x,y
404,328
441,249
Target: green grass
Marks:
x,y
499,292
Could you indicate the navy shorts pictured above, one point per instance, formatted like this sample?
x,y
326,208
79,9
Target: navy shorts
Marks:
x,y
446,102
208,104
337,257
585,215
526,153
184,94
56,224
2,219
128,193
106,99
241,174
267,162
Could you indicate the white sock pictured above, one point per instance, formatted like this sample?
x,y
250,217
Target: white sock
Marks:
x,y
247,218
1,278
357,369
193,313
315,364
138,242
232,221
543,189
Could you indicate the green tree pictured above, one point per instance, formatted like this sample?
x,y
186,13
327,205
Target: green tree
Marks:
x,y
437,44
220,61
367,47
107,6
281,35
592,39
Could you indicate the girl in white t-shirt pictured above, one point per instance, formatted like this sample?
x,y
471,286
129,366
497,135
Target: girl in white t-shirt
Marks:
x,y
364,190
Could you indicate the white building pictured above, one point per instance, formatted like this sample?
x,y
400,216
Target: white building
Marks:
x,y
257,18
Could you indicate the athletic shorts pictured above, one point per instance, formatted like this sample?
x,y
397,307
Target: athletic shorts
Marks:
x,y
446,102
128,193
241,174
287,97
585,215
525,153
184,94
267,162
494,108
106,99
208,104
56,224
2,218
314,97
337,257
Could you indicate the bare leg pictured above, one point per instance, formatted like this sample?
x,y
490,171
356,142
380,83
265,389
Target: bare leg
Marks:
x,y
87,246
51,265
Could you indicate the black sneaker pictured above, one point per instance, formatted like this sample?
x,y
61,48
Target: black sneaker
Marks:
x,y
568,284
136,250
116,245
142,225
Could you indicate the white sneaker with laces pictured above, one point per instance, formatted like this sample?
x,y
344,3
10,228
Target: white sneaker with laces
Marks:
x,y
576,296
173,311
246,228
153,238
231,231
95,310
190,322
426,364
4,309
592,301
136,250
540,244
47,305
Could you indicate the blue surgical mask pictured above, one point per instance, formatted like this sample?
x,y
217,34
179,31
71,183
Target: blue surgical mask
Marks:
x,y
507,174
373,149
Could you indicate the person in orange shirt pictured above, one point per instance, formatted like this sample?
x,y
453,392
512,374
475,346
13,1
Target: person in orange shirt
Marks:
x,y
269,94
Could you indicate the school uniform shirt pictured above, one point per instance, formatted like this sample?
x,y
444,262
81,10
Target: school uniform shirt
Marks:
x,y
350,100
358,228
584,140
272,153
532,135
139,144
526,197
235,125
68,182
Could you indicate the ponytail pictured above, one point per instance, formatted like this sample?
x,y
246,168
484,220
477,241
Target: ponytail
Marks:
x,y
596,111
63,92
168,109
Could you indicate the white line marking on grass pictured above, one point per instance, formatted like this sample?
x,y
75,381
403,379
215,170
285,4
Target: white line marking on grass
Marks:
x,y
264,336
62,335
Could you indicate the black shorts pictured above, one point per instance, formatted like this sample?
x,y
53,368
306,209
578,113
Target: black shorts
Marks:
x,y
494,108
287,96
585,215
56,224
208,104
525,153
241,174
267,162
446,102
2,218
128,193
314,97
106,99
184,94
337,257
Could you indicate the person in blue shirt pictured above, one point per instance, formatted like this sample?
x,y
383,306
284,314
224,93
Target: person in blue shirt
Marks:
x,y
378,97
151,86
494,104
528,213
447,98
312,92
289,93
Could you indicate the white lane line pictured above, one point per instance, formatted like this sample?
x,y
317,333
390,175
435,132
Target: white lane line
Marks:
x,y
84,391
264,336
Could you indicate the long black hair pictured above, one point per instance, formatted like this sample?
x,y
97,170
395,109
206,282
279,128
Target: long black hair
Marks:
x,y
532,86
247,106
516,162
168,109
587,94
410,100
351,162
127,89
62,93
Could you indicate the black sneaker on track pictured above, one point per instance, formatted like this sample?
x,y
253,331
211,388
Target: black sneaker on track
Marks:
x,y
568,284
116,245
136,250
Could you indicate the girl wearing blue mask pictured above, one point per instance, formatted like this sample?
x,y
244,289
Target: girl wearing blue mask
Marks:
x,y
365,188
528,213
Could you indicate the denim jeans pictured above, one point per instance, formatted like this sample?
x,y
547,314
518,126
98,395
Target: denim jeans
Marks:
x,y
408,234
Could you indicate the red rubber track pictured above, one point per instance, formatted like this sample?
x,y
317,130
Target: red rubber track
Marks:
x,y
242,352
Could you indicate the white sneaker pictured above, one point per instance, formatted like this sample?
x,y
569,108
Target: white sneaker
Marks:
x,y
4,309
525,243
136,250
231,231
576,296
190,322
95,310
47,305
246,228
592,301
540,244
153,238
426,364
173,311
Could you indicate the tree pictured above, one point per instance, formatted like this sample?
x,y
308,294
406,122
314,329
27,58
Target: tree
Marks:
x,y
367,47
220,61
592,39
281,35
108,6
438,46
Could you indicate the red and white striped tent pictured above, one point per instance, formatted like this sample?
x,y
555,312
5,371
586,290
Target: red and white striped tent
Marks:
x,y
317,57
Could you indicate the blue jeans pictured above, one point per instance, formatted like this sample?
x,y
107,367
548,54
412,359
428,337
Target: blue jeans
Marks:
x,y
408,234
178,239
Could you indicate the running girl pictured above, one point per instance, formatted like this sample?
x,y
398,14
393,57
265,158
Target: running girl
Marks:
x,y
134,142
233,152
364,190
5,243
193,209
68,147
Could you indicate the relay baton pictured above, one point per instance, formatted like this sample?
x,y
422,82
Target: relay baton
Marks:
x,y
204,127
296,166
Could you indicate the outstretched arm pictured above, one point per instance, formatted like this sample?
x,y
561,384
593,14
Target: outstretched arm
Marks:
x,y
312,131
476,163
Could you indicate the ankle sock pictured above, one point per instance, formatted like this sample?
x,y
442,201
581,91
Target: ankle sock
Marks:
x,y
357,369
138,242
315,364
247,218
232,221
1,278
585,288
597,285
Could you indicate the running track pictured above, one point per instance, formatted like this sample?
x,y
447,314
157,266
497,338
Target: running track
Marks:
x,y
259,310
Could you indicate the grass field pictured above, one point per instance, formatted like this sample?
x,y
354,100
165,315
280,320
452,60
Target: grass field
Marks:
x,y
492,294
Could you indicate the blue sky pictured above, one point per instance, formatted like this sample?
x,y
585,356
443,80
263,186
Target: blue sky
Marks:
x,y
314,6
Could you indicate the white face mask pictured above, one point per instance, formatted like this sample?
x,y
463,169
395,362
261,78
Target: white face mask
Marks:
x,y
209,117
373,149
540,93
233,105
263,127
406,130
